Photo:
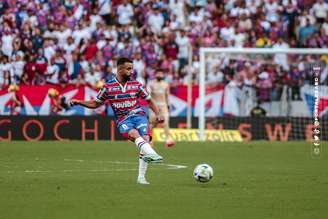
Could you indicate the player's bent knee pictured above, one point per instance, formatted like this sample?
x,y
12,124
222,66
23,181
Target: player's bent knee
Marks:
x,y
146,137
133,134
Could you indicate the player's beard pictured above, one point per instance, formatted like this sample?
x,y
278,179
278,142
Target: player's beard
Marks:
x,y
127,77
159,78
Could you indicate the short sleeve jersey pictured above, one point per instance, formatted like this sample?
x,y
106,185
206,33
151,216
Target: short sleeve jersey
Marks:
x,y
124,99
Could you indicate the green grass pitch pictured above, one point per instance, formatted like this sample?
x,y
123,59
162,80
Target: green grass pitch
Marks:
x,y
98,180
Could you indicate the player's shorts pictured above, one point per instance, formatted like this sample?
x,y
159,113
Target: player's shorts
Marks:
x,y
139,122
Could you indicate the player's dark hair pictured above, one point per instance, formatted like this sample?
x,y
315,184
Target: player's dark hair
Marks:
x,y
123,60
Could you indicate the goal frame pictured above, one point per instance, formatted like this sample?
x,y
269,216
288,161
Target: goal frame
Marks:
x,y
232,50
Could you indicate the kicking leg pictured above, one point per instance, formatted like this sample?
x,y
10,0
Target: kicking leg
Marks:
x,y
133,130
149,154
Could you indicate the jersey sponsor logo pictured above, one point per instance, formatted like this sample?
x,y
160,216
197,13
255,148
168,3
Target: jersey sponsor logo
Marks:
x,y
113,89
133,87
124,104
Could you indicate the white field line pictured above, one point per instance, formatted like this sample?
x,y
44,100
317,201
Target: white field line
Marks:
x,y
78,170
169,166
104,170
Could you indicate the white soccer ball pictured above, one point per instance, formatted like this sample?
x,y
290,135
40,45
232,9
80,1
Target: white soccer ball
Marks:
x,y
203,173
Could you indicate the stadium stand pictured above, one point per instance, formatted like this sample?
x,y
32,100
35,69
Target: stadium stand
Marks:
x,y
77,41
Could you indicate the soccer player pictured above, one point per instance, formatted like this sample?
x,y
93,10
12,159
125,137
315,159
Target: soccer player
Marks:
x,y
160,91
123,95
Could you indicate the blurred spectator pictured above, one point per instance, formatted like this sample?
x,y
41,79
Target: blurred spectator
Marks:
x,y
229,71
123,33
272,9
178,9
18,67
239,38
139,67
93,76
53,73
81,34
59,60
196,15
156,20
7,42
171,50
245,23
125,49
5,67
320,10
75,71
306,31
108,73
61,42
264,85
215,76
281,59
91,49
62,34
49,50
296,81
29,71
125,13
279,82
183,43
105,10
306,17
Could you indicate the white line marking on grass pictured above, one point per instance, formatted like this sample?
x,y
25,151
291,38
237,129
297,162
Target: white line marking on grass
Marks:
x,y
78,171
169,166
71,160
174,166
38,171
100,170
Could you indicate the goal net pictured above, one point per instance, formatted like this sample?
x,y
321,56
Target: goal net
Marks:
x,y
289,86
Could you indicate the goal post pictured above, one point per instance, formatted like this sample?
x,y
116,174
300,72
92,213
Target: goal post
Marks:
x,y
204,52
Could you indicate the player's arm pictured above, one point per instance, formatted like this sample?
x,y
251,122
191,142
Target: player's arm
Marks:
x,y
91,104
167,94
153,106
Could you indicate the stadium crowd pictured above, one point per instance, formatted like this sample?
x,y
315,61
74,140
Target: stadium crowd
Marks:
x,y
77,41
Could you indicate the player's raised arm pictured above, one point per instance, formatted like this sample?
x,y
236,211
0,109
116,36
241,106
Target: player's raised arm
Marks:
x,y
92,104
